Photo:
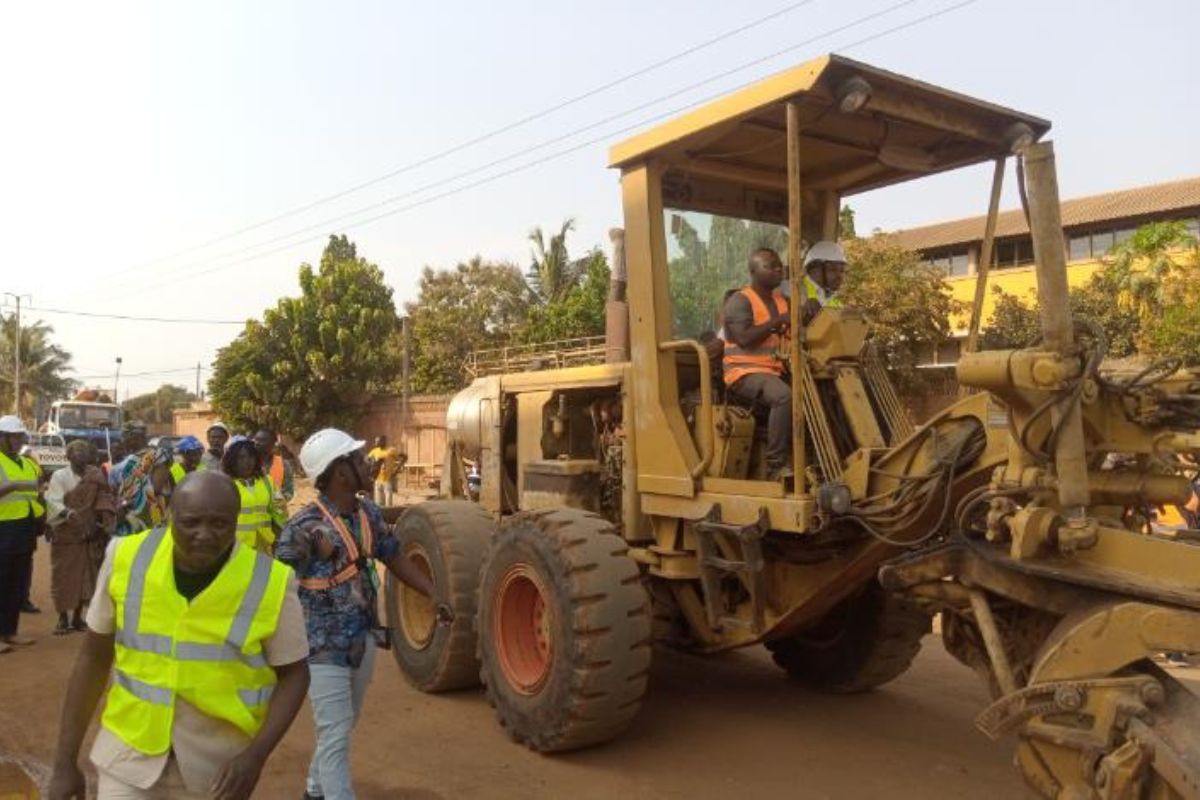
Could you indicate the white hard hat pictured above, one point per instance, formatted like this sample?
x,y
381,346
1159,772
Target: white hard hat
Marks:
x,y
825,251
12,424
324,447
220,425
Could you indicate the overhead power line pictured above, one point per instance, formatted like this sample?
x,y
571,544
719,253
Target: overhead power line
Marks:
x,y
491,134
189,270
101,376
132,318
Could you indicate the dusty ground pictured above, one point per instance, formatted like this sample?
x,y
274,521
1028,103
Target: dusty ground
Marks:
x,y
725,727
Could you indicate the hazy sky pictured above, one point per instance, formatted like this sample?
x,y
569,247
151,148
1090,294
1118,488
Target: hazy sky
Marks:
x,y
135,131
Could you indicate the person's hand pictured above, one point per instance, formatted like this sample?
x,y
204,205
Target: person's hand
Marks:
x,y
810,310
67,783
324,548
239,777
443,613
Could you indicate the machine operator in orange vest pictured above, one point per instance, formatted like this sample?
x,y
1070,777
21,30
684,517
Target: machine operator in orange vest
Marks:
x,y
756,329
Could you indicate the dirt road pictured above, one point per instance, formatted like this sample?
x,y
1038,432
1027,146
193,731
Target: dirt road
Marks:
x,y
730,727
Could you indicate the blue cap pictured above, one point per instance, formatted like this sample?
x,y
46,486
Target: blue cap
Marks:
x,y
187,444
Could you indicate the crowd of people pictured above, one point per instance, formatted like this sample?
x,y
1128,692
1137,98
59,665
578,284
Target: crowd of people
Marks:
x,y
209,613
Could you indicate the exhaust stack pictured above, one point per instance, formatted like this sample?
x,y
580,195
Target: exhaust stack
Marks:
x,y
616,310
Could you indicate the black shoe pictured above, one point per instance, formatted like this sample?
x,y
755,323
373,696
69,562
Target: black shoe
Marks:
x,y
62,628
308,796
29,608
78,625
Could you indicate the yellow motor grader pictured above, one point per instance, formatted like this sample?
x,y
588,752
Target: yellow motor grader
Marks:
x,y
625,503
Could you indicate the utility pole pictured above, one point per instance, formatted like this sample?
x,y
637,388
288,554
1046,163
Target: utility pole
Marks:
x,y
404,368
117,383
17,352
197,380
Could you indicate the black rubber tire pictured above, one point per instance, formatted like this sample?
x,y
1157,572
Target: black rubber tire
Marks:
x,y
599,623
868,640
454,534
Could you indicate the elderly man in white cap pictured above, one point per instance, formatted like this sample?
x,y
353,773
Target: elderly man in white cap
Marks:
x,y
217,435
333,544
21,518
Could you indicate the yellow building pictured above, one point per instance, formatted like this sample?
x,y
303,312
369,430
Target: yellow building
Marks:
x,y
1091,227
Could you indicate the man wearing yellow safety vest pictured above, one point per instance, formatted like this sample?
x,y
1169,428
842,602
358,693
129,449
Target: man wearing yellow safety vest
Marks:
x,y
190,451
21,518
756,321
333,544
203,639
261,517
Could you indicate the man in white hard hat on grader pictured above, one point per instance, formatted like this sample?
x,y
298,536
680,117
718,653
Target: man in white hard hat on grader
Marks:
x,y
824,273
333,544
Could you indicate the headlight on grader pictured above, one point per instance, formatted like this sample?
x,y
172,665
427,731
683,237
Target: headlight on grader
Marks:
x,y
833,498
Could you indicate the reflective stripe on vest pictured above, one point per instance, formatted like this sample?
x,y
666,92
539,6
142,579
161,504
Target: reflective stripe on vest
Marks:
x,y
17,505
351,567
763,357
254,518
813,292
207,652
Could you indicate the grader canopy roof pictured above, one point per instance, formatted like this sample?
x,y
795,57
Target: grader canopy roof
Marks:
x,y
863,128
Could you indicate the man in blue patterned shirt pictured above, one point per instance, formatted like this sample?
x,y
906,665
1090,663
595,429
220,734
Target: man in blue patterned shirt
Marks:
x,y
333,544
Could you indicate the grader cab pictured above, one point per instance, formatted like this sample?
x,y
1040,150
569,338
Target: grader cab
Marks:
x,y
625,503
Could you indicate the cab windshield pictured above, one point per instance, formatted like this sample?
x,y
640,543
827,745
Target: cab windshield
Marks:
x,y
706,259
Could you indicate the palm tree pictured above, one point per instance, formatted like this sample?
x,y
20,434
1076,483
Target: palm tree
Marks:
x,y
552,274
43,366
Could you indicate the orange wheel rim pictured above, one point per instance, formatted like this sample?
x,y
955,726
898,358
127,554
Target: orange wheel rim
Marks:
x,y
522,629
417,616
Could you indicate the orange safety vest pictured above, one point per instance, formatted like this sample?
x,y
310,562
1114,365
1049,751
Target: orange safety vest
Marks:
x,y
277,472
353,561
764,357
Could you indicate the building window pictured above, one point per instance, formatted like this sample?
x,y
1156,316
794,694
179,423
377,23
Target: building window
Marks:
x,y
1102,242
1013,253
952,262
1079,247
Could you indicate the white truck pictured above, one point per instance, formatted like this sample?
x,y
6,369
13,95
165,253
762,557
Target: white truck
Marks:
x,y
98,422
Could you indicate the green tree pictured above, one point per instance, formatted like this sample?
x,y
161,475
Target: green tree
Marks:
x,y
1140,268
1175,331
579,313
1014,323
552,274
44,366
155,407
906,300
476,305
316,359
846,224
702,269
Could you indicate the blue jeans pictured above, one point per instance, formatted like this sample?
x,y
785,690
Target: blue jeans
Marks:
x,y
336,695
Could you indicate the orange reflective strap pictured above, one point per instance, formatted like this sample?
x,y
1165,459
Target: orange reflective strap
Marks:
x,y
352,555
